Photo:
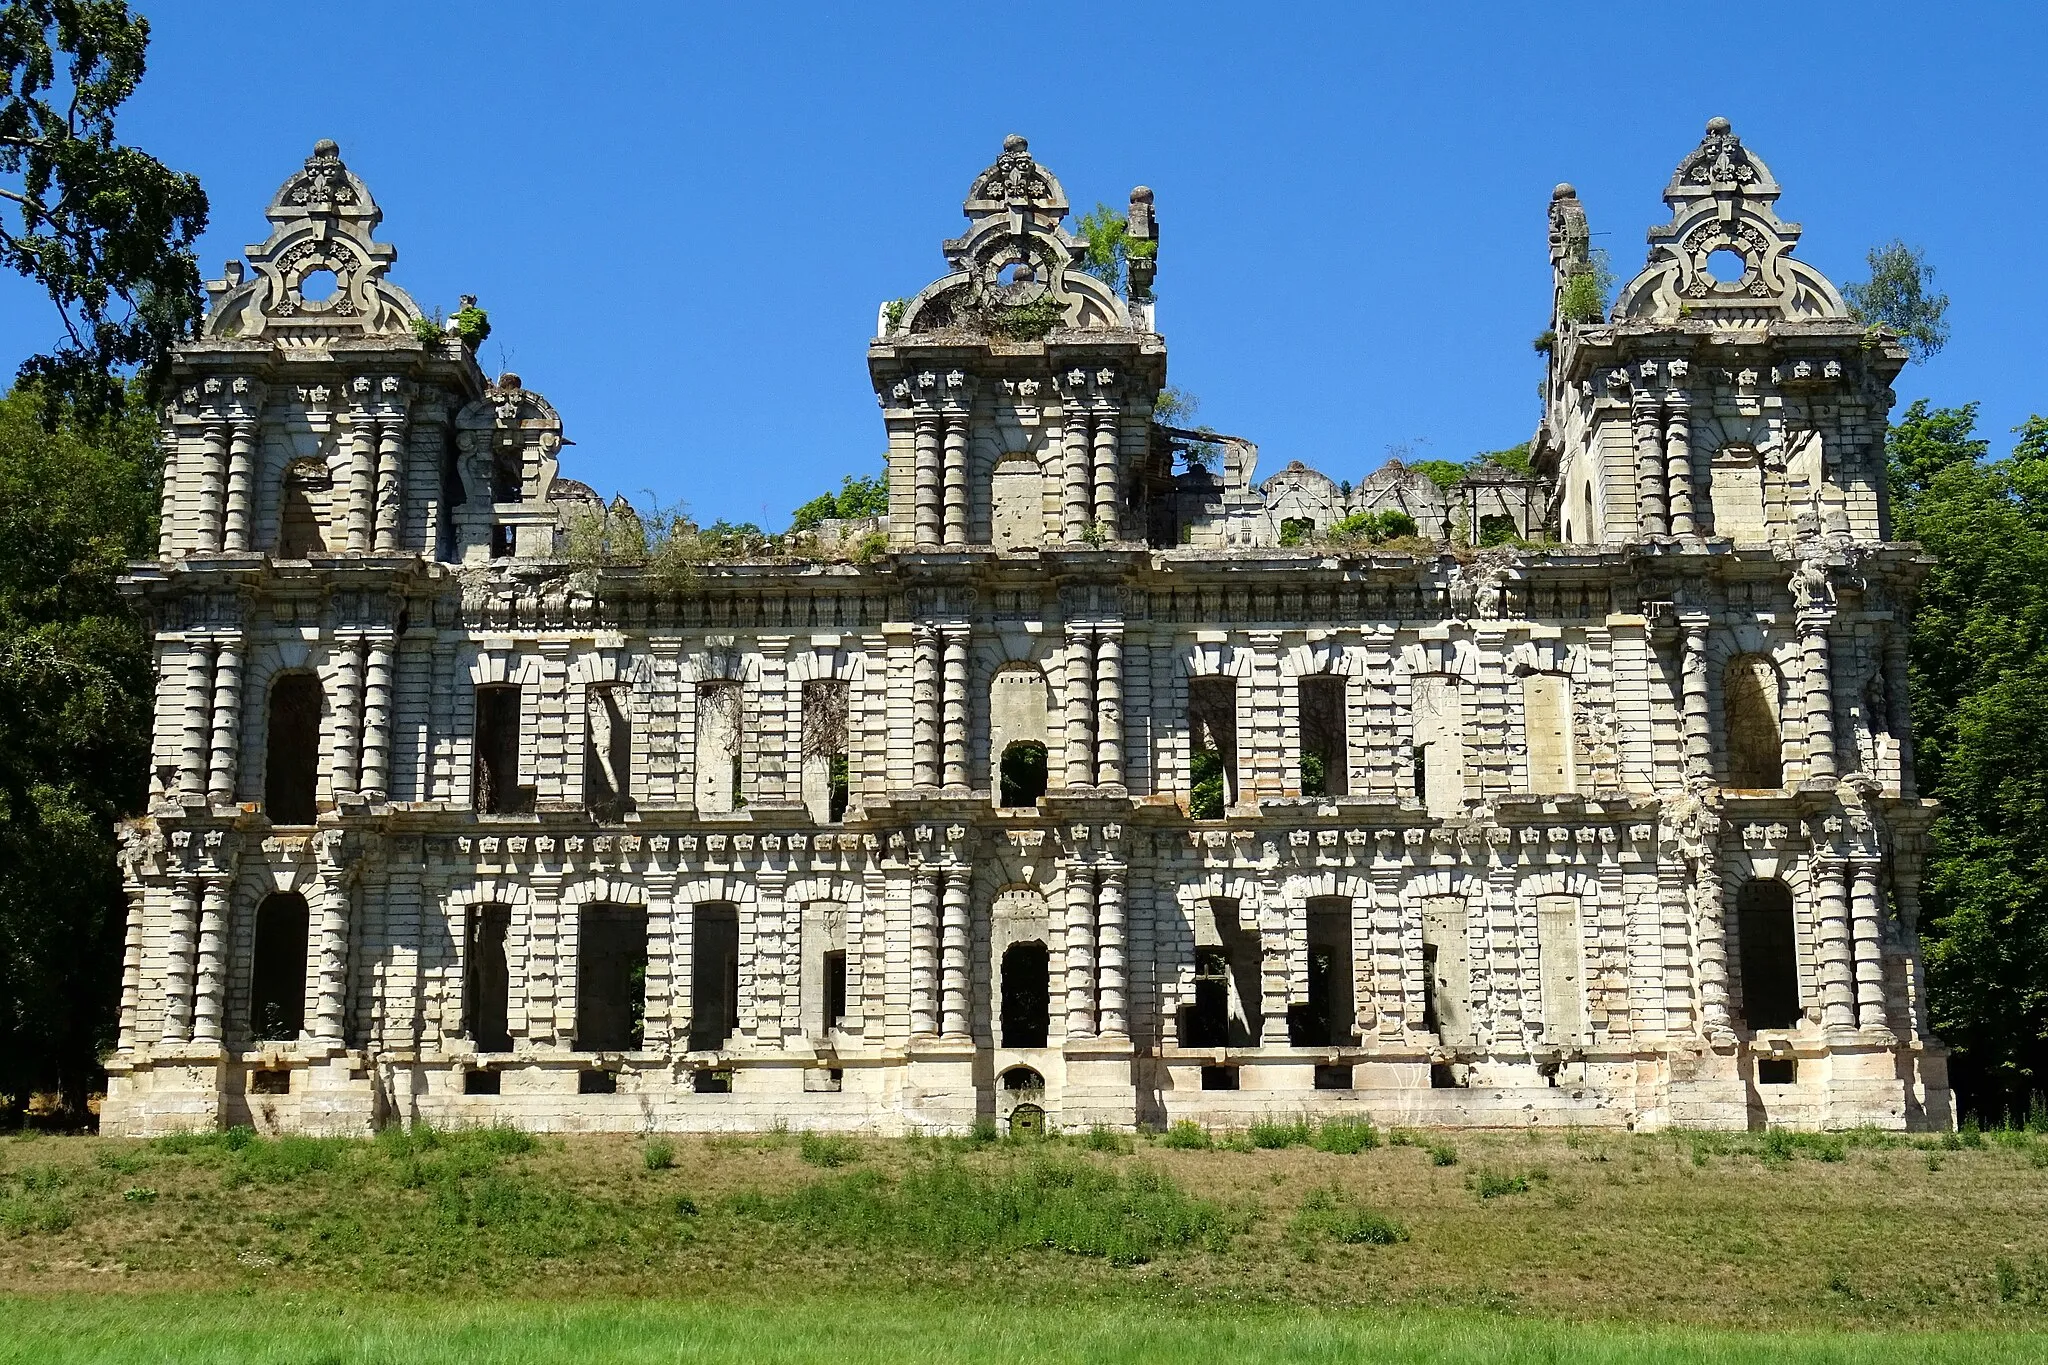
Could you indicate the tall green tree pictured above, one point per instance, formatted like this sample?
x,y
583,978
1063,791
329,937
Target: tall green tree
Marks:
x,y
1980,709
1900,296
107,230
76,504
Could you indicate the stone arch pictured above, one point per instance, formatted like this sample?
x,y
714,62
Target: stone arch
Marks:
x,y
1323,658
1457,658
1216,661
504,666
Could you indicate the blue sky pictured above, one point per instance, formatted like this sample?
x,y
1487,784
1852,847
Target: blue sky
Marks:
x,y
682,219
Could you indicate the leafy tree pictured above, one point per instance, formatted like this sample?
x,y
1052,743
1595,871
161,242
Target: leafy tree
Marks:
x,y
1515,458
857,497
76,504
107,230
1980,706
1899,295
1105,232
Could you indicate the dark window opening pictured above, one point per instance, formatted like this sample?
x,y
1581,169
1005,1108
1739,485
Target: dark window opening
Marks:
x,y
1324,768
1422,772
453,494
1027,995
1430,1022
1212,747
1228,1008
594,1082
277,988
497,789
506,476
270,1082
1749,713
711,1082
486,1002
835,988
714,977
291,771
1770,955
1219,1078
1023,774
1297,531
611,979
836,802
1022,1078
1325,1019
480,1081
1333,1078
1444,1076
503,541
607,754
1207,1022
301,532
1777,1071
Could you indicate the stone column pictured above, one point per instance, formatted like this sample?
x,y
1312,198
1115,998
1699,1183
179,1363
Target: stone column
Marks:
x,y
1837,972
1650,469
1693,710
1074,478
1678,457
953,977
1080,952
361,472
348,719
210,984
924,708
175,470
1819,699
131,967
212,461
1899,720
1079,687
241,484
1111,937
227,723
1108,426
1866,906
925,475
197,728
1109,710
924,954
1713,932
953,716
1906,869
376,761
390,520
179,945
330,960
955,483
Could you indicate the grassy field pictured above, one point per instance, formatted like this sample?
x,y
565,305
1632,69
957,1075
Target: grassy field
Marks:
x,y
1285,1243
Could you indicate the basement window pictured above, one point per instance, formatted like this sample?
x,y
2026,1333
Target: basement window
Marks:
x,y
277,1082
1219,1078
594,1082
479,1081
1777,1071
712,1082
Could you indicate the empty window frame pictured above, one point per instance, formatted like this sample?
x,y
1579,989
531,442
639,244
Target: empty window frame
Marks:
x,y
1228,1008
495,788
1324,766
1750,713
824,755
277,984
1023,776
719,788
1326,1018
611,978
607,753
714,975
1769,955
1212,746
1027,995
291,751
488,988
302,510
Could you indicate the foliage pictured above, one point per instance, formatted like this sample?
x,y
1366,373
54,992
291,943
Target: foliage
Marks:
x,y
1979,686
829,1150
1346,1137
1329,1215
1515,458
856,498
1029,321
893,310
1442,473
106,230
1587,291
1899,295
1373,528
430,330
1185,1135
472,324
1296,531
1269,1133
1175,407
1205,791
1103,231
75,686
659,1154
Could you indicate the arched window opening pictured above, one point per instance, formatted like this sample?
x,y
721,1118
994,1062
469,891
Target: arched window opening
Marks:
x,y
277,986
302,510
611,978
489,985
291,774
1022,1078
1023,773
1027,995
714,975
1770,955
1750,711
1323,762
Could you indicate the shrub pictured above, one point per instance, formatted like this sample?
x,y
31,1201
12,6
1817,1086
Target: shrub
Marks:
x,y
1443,1154
829,1150
1188,1136
1327,1215
659,1154
1346,1137
1271,1134
1372,528
1101,1139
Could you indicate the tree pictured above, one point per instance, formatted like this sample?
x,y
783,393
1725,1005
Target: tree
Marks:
x,y
1980,704
107,230
1899,295
76,504
856,498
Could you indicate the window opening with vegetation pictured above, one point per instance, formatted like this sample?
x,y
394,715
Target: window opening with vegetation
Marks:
x,y
1023,773
1324,767
277,986
1212,747
487,1000
496,775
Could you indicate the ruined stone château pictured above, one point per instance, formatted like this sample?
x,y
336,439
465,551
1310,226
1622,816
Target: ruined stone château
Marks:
x,y
1118,789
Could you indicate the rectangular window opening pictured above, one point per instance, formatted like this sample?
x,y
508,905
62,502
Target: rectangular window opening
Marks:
x,y
1219,1078
835,989
479,1081
1777,1071
824,769
714,976
496,787
607,753
486,1003
1212,747
708,1082
270,1082
592,1081
1333,1078
1444,1076
611,979
1324,765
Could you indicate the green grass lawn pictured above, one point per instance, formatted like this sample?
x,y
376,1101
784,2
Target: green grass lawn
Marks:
x,y
1286,1242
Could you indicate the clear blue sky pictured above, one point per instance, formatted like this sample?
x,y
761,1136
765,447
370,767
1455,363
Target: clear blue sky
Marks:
x,y
682,218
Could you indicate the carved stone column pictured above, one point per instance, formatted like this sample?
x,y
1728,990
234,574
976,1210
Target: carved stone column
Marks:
x,y
348,716
1819,699
1111,965
1109,710
924,954
1899,720
227,723
1108,430
925,476
1693,709
330,959
376,760
390,520
1080,952
924,708
1645,417
1837,972
196,730
953,716
1866,906
955,475
179,948
210,983
953,970
1678,454
1713,932
1079,688
241,479
362,467
213,449
1075,497
131,964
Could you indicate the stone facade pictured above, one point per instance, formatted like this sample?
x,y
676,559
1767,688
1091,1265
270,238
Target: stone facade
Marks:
x,y
1089,800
